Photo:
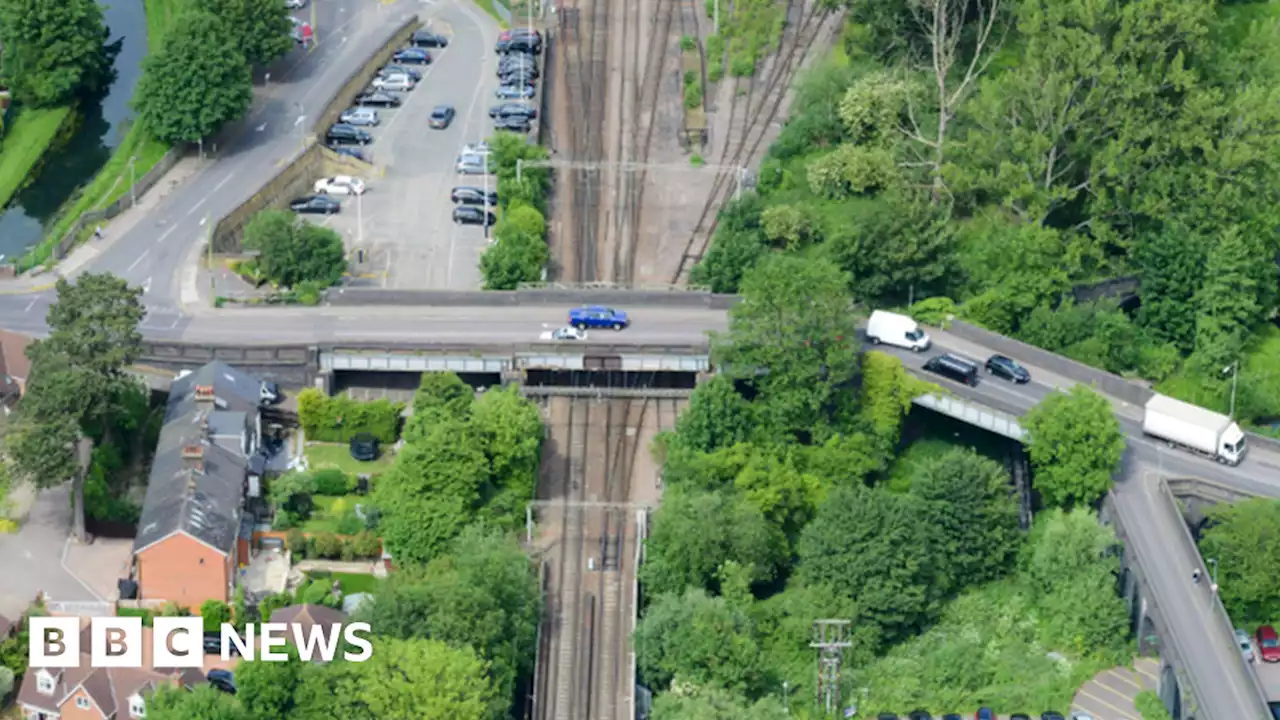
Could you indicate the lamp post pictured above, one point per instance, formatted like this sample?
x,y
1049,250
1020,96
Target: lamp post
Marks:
x,y
1213,564
1234,369
360,219
786,696
133,194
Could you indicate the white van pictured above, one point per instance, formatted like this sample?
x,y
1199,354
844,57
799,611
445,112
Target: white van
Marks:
x,y
894,329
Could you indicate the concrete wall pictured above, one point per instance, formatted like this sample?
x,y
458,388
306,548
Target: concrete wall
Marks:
x,y
293,180
360,78
293,365
532,297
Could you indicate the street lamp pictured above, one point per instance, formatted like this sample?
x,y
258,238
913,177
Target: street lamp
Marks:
x,y
133,194
1234,369
360,219
1213,562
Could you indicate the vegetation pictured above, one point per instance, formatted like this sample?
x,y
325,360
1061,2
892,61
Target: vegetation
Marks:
x,y
519,252
340,418
294,253
55,51
751,28
988,181
257,28
1244,538
26,140
1150,707
1076,446
339,456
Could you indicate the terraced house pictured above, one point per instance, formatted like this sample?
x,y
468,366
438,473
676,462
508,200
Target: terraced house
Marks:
x,y
192,534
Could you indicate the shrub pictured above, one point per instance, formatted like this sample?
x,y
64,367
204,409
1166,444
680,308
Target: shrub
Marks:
x,y
315,592
933,311
214,613
690,78
319,574
692,96
286,520
715,72
327,545
348,551
338,419
6,682
687,42
350,524
697,161
296,543
366,545
332,481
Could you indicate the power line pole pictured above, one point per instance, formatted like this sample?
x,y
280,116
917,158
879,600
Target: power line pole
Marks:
x,y
830,637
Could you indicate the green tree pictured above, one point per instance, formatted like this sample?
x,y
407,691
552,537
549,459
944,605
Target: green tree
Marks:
x,y
739,244
202,703
266,690
1244,538
795,323
214,613
443,390
1231,300
514,257
684,549
54,50
534,182
1076,446
872,546
259,28
717,417
967,500
1172,264
424,679
292,252
698,639
526,220
508,429
196,83
711,703
483,594
887,392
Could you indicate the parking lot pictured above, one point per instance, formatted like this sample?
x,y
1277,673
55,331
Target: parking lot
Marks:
x,y
404,222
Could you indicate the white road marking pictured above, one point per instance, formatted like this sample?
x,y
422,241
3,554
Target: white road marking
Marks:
x,y
169,232
29,306
261,128
140,258
146,285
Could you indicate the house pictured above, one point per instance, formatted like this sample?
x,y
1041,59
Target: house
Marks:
x,y
307,616
88,693
8,628
190,538
14,368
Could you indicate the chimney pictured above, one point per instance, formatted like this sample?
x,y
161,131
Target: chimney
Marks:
x,y
204,394
193,457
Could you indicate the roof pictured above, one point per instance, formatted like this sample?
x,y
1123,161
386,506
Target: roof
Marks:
x,y
200,496
13,355
308,615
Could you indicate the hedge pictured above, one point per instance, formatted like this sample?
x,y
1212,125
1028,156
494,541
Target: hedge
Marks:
x,y
340,418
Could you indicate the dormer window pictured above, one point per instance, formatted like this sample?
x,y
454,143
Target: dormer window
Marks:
x,y
45,682
82,702
137,708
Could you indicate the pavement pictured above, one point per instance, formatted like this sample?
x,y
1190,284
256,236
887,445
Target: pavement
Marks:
x,y
1109,695
32,559
404,222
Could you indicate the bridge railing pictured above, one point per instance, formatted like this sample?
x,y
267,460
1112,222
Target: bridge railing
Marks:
x,y
641,296
973,413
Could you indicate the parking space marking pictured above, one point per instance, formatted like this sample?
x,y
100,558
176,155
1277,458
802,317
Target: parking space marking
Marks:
x,y
414,92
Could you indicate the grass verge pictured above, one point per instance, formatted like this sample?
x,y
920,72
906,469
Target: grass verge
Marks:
x,y
488,7
320,455
356,582
25,142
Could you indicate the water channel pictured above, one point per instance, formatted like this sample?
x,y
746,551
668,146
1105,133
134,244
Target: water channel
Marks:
x,y
103,124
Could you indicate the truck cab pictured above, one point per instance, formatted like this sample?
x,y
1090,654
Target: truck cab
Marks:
x,y
1231,447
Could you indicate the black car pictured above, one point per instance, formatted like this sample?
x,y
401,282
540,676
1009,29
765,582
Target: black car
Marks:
x,y
349,152
416,56
466,195
516,32
516,124
919,715
514,110
399,70
954,367
1051,715
364,447
519,44
514,92
315,205
528,70
441,116
516,77
222,680
213,645
1019,716
887,716
952,716
518,59
379,98
468,215
426,38
1007,368
343,134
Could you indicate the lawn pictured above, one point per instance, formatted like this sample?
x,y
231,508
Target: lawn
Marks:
x,y
25,141
356,582
329,513
338,455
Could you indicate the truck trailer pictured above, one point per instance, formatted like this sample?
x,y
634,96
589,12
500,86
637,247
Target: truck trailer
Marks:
x,y
1202,431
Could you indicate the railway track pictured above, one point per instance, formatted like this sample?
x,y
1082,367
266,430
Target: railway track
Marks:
x,y
753,112
584,28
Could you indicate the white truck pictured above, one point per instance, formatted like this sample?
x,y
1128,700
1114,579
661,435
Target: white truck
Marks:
x,y
1195,428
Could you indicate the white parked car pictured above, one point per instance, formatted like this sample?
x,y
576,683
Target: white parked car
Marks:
x,y
340,185
1246,645
394,83
480,148
564,334
360,116
295,4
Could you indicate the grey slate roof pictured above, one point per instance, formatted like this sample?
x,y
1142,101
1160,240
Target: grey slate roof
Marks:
x,y
204,503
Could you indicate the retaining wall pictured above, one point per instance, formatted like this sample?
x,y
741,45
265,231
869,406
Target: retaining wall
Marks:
x,y
360,78
512,298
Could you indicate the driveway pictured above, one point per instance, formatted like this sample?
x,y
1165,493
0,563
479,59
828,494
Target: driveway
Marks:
x,y
31,560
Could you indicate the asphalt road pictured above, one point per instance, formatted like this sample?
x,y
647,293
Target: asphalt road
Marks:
x,y
406,216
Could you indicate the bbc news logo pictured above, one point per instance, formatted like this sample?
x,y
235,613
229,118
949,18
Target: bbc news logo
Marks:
x,y
178,642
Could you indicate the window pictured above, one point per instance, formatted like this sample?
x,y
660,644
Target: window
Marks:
x,y
44,682
136,707
82,702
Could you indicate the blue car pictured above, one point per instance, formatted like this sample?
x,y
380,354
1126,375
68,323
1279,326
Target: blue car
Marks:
x,y
416,56
514,92
594,316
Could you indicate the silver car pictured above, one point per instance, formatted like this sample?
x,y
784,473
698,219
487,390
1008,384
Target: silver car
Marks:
x,y
1246,645
360,116
395,83
295,4
470,165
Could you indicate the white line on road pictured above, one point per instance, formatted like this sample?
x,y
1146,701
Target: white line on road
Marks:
x,y
30,305
166,234
140,258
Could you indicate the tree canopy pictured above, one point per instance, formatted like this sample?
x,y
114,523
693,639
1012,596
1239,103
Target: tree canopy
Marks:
x,y
1244,539
259,28
292,252
1076,446
53,50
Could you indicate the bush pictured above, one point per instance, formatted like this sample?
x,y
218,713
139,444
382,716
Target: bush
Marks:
x,y
690,78
214,613
1150,707
296,543
332,481
327,546
350,524
366,545
348,551
692,96
687,43
286,520
338,419
6,682
933,311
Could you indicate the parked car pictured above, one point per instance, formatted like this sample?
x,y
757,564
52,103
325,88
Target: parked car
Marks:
x,y
223,680
339,185
344,134
514,109
519,32
364,447
1019,716
1077,715
1246,645
394,83
919,715
389,70
467,195
514,92
515,124
360,117
1007,368
1268,644
470,165
952,716
984,713
441,116
595,316
564,334
414,55
380,99
349,152
470,215
315,205
426,38
954,367
510,66
295,4
887,716
517,76
519,44
1051,715
480,148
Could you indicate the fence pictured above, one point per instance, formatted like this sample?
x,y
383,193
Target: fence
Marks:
x,y
140,188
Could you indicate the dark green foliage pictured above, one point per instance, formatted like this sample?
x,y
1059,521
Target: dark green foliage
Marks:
x,y
258,28
739,246
54,50
214,613
699,639
196,83
717,417
1172,264
1076,446
331,481
292,252
514,257
444,390
202,703
339,418
1245,540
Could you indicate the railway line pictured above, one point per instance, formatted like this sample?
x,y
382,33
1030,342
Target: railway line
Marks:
x,y
596,463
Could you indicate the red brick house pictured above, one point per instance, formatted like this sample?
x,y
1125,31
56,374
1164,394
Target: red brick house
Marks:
x,y
14,368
